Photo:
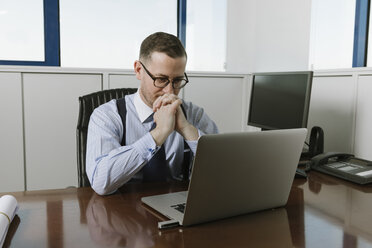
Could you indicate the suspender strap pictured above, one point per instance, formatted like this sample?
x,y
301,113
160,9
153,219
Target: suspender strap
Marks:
x,y
122,109
187,155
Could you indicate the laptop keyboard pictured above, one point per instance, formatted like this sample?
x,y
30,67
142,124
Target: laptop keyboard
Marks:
x,y
180,207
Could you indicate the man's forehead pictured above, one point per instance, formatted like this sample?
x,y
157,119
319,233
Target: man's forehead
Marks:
x,y
154,56
163,64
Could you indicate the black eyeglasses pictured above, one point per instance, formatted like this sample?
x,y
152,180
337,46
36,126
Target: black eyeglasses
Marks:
x,y
162,82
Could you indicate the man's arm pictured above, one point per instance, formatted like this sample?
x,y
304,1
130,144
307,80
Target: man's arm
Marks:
x,y
197,117
108,164
185,128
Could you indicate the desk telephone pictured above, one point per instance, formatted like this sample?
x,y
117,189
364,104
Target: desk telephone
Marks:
x,y
344,166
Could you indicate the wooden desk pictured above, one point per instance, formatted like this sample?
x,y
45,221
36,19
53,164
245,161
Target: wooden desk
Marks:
x,y
321,212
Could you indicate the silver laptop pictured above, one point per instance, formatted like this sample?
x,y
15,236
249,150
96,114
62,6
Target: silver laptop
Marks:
x,y
234,174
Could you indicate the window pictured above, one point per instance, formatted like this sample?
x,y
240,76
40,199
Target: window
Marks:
x,y
23,40
29,32
108,34
332,34
369,55
206,35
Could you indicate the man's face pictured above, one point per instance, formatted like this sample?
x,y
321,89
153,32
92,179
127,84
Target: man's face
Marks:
x,y
159,65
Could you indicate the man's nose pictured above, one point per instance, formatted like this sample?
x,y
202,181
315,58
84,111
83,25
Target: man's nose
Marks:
x,y
169,89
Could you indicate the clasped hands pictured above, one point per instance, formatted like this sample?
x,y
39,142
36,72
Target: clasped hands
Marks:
x,y
169,117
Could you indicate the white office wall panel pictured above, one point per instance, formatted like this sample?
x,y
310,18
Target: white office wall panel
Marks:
x,y
123,81
222,99
332,108
51,110
363,123
11,133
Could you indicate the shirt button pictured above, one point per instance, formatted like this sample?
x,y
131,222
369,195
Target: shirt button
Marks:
x,y
153,151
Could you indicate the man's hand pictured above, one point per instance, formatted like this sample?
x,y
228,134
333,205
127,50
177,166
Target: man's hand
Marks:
x,y
165,119
179,122
182,126
164,100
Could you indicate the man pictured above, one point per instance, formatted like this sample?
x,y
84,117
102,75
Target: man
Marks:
x,y
144,140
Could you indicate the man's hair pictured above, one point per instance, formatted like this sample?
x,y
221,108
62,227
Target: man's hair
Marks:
x,y
163,43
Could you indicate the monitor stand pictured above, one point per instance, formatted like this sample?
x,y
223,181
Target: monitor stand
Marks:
x,y
316,144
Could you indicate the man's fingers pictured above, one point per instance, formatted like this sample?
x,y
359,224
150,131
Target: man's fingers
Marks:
x,y
156,105
164,100
177,103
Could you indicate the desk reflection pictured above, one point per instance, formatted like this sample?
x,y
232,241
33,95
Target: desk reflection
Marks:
x,y
125,224
340,206
321,212
268,228
317,180
116,224
295,210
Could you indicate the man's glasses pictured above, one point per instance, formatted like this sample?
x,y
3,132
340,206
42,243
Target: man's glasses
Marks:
x,y
162,82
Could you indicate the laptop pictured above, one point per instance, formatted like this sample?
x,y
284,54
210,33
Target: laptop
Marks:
x,y
235,174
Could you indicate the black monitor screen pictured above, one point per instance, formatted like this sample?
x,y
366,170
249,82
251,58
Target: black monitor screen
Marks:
x,y
280,100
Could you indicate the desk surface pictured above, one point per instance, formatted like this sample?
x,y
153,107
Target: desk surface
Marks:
x,y
321,212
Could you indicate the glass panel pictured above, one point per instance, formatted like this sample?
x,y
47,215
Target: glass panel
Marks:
x,y
22,30
369,51
206,35
332,34
108,34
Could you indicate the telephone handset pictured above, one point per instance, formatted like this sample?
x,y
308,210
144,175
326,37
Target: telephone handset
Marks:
x,y
323,158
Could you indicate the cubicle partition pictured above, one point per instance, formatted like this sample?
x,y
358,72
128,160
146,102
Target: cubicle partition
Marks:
x,y
39,110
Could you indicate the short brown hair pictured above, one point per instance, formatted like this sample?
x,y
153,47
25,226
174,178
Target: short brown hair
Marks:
x,y
163,43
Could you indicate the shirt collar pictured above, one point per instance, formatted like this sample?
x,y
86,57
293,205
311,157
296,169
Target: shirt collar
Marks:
x,y
142,109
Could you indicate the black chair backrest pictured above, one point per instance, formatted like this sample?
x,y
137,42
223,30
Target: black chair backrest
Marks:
x,y
87,104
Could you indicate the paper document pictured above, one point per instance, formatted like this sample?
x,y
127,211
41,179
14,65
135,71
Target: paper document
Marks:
x,y
8,209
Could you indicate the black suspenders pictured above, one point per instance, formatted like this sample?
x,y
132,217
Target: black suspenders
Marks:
x,y
122,110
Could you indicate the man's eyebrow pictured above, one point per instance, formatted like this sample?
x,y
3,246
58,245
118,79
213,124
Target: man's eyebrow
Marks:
x,y
166,76
161,75
179,77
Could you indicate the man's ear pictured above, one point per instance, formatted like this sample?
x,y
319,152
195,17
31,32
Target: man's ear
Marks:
x,y
137,69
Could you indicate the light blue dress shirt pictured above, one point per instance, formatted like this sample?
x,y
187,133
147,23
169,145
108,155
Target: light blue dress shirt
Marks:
x,y
109,165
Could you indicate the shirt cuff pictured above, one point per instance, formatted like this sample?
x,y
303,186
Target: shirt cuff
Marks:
x,y
194,143
146,146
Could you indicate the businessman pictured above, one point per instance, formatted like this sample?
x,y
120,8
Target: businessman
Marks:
x,y
142,137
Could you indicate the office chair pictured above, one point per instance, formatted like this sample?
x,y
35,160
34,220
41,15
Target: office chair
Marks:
x,y
87,104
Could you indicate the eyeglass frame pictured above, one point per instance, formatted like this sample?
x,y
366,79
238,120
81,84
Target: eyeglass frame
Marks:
x,y
169,81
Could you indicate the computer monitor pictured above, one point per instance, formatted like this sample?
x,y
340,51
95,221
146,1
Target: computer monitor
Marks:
x,y
280,100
